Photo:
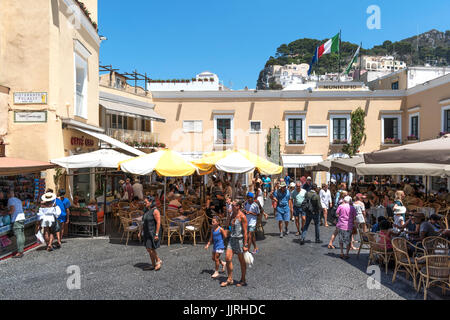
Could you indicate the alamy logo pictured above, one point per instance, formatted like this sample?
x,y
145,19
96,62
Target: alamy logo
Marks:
x,y
374,280
374,20
74,280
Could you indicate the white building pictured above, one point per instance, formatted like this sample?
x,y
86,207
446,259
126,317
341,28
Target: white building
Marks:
x,y
205,81
382,64
407,78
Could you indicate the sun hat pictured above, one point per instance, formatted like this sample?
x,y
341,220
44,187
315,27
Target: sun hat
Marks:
x,y
48,197
282,184
348,199
292,185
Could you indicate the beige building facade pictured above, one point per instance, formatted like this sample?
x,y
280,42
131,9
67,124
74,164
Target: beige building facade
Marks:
x,y
49,54
314,125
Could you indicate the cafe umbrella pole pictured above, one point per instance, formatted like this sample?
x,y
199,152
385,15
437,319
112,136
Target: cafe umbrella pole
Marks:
x,y
165,183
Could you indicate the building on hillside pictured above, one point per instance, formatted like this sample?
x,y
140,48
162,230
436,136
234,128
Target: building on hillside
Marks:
x,y
205,81
407,78
381,64
313,124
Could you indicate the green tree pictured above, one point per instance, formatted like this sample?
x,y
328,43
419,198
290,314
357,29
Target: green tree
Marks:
x,y
358,128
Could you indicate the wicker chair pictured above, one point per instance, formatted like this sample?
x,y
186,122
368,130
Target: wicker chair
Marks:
x,y
434,270
436,246
128,228
363,239
194,228
379,251
171,229
403,260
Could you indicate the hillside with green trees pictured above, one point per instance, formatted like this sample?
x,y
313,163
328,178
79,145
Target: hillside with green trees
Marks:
x,y
433,48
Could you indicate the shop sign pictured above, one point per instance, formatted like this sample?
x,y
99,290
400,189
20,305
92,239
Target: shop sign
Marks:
x,y
30,98
30,116
318,131
75,141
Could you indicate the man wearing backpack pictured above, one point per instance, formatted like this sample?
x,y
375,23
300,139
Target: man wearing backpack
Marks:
x,y
312,207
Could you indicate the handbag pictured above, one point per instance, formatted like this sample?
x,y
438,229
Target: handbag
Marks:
x,y
40,237
248,257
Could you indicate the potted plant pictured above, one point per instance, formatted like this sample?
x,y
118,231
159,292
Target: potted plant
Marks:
x,y
340,141
391,141
441,134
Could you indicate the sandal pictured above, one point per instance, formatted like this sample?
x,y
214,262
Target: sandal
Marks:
x,y
241,284
342,256
215,275
331,247
158,265
226,283
298,234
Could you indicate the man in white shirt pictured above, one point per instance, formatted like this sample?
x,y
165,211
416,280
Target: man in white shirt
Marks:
x,y
18,222
325,201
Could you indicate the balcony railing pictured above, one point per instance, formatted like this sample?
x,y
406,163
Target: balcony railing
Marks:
x,y
135,138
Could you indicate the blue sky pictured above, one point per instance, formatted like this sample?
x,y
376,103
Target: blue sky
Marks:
x,y
234,38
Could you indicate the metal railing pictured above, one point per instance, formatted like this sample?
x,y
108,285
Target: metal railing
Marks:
x,y
134,137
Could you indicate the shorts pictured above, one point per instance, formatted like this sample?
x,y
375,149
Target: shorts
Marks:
x,y
236,245
268,189
251,228
219,251
283,216
298,212
62,219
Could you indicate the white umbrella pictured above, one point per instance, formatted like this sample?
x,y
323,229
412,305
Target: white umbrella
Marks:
x,y
105,158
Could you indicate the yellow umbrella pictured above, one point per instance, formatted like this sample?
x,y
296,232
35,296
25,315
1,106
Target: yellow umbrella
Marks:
x,y
238,161
166,163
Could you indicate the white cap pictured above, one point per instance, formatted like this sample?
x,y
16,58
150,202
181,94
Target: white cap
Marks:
x,y
309,178
292,184
348,199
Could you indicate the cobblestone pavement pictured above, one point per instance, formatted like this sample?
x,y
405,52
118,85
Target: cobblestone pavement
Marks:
x,y
282,270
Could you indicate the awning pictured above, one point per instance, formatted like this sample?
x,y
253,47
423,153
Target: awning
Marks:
x,y
104,158
300,161
131,111
112,141
14,166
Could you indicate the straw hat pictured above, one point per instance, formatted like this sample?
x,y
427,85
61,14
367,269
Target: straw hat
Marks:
x,y
48,197
282,184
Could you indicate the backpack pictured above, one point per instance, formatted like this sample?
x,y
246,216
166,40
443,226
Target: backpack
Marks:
x,y
307,205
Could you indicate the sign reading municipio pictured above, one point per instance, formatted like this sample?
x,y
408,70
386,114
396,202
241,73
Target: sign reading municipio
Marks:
x,y
30,98
30,116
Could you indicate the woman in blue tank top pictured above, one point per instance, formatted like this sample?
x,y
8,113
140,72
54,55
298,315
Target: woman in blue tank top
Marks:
x,y
217,236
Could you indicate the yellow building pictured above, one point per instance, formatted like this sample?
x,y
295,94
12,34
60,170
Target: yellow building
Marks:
x,y
49,94
313,124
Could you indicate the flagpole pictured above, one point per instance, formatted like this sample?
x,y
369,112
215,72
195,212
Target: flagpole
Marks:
x,y
318,65
360,62
339,70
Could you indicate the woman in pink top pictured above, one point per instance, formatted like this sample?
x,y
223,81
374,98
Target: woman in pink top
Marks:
x,y
347,214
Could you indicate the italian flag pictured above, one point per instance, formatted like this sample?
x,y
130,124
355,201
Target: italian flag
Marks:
x,y
355,57
331,46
